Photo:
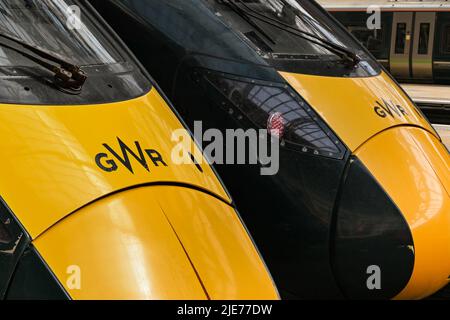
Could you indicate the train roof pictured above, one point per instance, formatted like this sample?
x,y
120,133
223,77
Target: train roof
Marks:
x,y
386,5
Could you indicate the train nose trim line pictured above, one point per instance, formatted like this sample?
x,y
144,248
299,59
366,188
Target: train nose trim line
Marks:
x,y
159,242
83,153
413,167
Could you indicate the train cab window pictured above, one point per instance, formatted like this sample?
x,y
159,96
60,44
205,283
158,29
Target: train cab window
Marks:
x,y
296,35
51,27
44,24
424,38
446,40
400,41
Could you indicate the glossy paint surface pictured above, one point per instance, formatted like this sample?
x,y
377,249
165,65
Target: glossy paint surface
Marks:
x,y
49,156
289,214
414,169
350,105
294,241
157,243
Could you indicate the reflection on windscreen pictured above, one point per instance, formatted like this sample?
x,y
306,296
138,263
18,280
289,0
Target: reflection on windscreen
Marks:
x,y
259,102
294,15
44,23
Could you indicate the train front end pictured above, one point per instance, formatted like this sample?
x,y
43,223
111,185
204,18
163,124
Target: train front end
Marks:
x,y
360,205
93,205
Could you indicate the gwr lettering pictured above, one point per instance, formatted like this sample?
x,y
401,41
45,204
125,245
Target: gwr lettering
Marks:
x,y
393,110
125,160
156,157
108,165
109,162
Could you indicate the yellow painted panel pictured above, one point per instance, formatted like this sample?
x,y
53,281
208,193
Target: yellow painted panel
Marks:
x,y
349,105
125,249
436,154
48,164
412,166
140,244
218,244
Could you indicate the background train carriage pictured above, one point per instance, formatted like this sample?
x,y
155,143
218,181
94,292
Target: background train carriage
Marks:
x,y
413,43
414,40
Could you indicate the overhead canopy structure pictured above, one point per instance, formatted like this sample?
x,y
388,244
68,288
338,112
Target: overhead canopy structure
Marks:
x,y
386,5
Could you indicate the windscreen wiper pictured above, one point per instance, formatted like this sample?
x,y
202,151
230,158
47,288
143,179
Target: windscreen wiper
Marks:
x,y
247,18
67,76
346,55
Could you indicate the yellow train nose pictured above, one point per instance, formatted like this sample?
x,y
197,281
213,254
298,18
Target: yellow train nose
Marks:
x,y
159,242
413,167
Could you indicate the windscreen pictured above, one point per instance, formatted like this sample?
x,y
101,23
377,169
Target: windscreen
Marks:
x,y
57,26
278,27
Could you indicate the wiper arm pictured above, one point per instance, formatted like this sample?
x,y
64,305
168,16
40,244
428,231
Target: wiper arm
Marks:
x,y
346,55
68,76
246,17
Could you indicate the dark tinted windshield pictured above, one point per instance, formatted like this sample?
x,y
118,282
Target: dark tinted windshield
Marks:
x,y
84,40
271,24
54,25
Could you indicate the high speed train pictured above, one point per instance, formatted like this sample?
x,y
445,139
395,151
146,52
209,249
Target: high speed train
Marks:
x,y
360,207
413,38
92,205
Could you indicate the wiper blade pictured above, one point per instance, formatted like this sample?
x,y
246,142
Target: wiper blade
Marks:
x,y
246,17
346,55
68,77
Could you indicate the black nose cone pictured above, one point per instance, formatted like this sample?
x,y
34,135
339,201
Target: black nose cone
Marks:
x,y
373,253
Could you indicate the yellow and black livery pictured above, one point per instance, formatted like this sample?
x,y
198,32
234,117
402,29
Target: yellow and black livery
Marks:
x,y
93,206
364,179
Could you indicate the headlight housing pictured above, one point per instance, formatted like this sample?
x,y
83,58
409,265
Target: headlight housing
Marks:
x,y
277,108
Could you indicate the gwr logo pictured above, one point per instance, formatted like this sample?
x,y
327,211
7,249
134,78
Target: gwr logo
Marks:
x,y
105,162
389,109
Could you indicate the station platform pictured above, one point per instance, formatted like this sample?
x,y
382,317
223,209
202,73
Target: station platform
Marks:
x,y
434,101
444,132
424,94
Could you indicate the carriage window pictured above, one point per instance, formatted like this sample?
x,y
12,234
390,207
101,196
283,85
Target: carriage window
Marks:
x,y
446,42
371,39
424,38
400,41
